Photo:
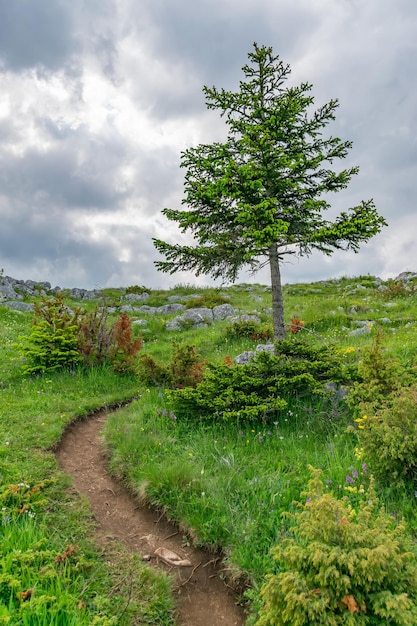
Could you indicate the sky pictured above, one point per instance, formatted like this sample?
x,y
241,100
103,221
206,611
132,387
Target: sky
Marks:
x,y
99,97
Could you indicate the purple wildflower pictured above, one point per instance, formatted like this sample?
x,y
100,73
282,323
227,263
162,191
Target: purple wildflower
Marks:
x,y
349,480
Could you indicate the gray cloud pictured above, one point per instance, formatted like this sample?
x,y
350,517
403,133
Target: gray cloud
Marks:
x,y
36,34
98,99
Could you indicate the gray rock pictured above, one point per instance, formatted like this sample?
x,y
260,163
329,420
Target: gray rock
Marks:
x,y
223,311
151,310
128,308
84,294
136,297
139,323
265,347
166,309
18,306
362,323
198,315
7,292
363,330
245,318
404,276
244,358
174,324
176,298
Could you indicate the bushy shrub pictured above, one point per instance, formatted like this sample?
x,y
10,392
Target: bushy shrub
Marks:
x,y
94,336
249,329
398,289
185,368
124,347
258,390
379,376
341,566
61,338
52,343
388,438
209,299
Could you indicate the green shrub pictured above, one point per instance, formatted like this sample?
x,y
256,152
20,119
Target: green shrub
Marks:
x,y
185,368
52,343
137,289
61,338
379,376
209,299
388,438
341,566
257,390
249,329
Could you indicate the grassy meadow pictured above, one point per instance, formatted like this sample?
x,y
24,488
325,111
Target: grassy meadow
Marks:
x,y
227,483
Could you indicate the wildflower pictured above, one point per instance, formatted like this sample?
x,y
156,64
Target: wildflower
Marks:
x,y
355,473
172,416
349,480
260,438
329,481
364,468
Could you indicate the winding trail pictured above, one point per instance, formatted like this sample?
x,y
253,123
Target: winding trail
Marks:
x,y
203,599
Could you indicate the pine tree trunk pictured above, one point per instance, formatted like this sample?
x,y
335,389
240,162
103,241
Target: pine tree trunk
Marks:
x,y
277,300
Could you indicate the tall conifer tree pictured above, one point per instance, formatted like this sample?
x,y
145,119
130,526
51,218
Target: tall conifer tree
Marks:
x,y
261,194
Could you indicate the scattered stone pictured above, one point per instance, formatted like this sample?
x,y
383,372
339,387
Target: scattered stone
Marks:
x,y
362,323
363,330
139,323
244,358
166,309
223,311
136,297
246,318
405,276
18,306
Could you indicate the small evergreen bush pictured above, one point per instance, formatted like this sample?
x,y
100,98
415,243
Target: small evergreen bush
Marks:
x,y
341,566
209,299
379,377
53,340
258,390
388,438
185,368
61,338
249,329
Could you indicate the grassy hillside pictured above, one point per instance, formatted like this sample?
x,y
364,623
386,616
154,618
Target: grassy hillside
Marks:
x,y
227,482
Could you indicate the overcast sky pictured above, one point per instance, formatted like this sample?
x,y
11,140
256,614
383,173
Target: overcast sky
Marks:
x,y
99,97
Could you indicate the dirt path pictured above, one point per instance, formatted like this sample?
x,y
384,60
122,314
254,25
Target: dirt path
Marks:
x,y
203,599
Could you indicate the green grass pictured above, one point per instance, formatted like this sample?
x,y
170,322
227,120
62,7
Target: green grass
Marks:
x,y
33,415
227,483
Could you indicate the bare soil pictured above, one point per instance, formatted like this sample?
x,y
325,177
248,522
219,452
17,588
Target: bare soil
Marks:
x,y
203,598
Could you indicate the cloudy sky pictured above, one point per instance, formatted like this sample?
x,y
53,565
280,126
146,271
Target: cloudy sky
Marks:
x,y
99,97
